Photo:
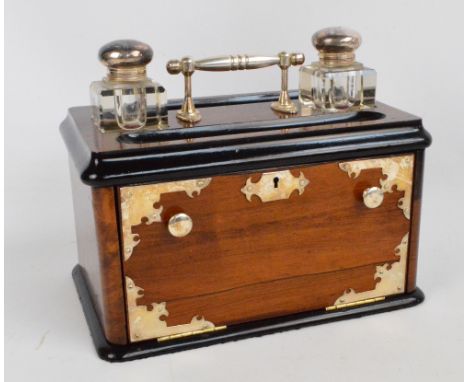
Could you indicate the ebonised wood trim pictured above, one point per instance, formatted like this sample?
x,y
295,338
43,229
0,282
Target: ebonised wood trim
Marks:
x,y
120,353
120,158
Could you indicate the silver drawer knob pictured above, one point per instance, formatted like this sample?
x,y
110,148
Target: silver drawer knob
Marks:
x,y
180,225
373,197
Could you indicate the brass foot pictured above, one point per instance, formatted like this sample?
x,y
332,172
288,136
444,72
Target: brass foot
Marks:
x,y
191,117
284,108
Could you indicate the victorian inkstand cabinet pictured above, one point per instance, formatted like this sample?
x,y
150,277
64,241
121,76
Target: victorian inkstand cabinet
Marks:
x,y
213,219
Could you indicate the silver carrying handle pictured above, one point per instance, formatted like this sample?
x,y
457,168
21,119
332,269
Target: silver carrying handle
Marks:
x,y
187,66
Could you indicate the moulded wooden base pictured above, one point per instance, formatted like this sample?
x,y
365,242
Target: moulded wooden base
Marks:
x,y
120,353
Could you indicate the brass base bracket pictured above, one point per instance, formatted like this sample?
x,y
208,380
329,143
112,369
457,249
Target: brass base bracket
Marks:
x,y
289,108
284,103
192,116
186,66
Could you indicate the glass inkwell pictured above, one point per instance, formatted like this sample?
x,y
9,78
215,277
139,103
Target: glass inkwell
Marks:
x,y
337,82
126,98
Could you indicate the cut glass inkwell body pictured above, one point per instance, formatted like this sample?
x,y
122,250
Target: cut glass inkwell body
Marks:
x,y
337,82
127,98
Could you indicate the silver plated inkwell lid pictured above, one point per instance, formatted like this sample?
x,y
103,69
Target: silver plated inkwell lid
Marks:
x,y
336,45
126,60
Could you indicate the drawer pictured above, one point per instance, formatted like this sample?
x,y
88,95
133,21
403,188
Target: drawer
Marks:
x,y
203,254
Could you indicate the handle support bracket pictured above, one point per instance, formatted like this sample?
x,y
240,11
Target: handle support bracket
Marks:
x,y
187,66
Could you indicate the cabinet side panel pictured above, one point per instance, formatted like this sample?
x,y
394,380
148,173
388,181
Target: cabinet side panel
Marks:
x,y
415,222
99,254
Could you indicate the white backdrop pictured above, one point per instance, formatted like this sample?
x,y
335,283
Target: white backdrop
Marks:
x,y
51,57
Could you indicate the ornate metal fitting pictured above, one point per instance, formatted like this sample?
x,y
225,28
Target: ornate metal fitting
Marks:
x,y
145,324
138,203
275,186
187,66
137,206
399,173
390,278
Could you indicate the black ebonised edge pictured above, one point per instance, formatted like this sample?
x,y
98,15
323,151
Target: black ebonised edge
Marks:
x,y
136,167
121,353
143,165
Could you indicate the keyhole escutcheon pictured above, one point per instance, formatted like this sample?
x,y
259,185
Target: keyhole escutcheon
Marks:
x,y
275,181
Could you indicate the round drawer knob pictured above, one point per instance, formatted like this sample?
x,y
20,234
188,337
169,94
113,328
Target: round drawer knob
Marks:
x,y
180,225
373,197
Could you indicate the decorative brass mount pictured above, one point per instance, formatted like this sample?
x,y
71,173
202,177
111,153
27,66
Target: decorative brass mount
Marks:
x,y
187,66
390,278
398,173
275,186
137,202
145,324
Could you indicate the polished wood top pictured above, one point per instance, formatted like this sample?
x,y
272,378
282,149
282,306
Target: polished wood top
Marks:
x,y
234,130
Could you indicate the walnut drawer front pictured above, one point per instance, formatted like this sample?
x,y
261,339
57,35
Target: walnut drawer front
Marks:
x,y
263,244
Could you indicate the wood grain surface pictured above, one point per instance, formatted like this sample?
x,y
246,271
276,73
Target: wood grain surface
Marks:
x,y
251,260
99,254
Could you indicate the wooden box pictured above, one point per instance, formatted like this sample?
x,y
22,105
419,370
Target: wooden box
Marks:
x,y
245,224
